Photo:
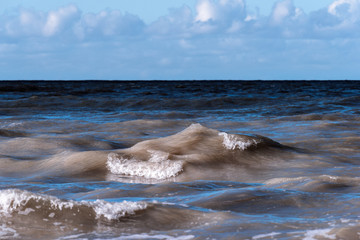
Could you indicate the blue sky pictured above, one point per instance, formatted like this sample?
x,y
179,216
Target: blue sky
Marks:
x,y
179,39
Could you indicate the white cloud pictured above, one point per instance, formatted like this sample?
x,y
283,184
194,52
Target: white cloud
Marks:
x,y
236,26
344,8
108,24
177,23
58,19
222,11
30,23
212,17
281,11
232,3
348,14
222,38
26,23
206,11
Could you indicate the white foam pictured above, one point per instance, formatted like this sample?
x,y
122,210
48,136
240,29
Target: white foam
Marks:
x,y
279,181
7,232
134,236
158,156
266,236
7,124
158,166
315,234
113,211
75,236
158,236
14,201
27,211
233,142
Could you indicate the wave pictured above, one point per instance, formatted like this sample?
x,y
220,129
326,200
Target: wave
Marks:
x,y
23,213
330,117
144,236
157,167
322,183
12,134
167,157
195,149
20,202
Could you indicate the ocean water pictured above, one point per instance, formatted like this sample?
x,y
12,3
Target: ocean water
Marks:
x,y
180,160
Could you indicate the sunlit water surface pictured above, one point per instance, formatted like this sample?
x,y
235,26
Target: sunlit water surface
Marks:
x,y
180,160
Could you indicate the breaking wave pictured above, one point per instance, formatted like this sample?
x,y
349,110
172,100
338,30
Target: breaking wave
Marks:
x,y
188,153
167,157
233,142
20,202
154,168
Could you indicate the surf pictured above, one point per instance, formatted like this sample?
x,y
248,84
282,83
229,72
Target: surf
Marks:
x,y
196,148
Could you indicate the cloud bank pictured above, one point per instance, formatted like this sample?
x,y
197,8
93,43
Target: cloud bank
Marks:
x,y
222,39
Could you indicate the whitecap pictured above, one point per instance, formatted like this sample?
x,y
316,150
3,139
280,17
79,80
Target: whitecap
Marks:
x,y
15,201
315,234
266,236
157,167
158,236
232,141
7,233
113,211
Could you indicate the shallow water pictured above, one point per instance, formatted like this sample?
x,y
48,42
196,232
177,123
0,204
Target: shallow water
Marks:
x,y
180,160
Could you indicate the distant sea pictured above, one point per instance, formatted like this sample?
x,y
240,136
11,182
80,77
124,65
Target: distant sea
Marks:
x,y
180,160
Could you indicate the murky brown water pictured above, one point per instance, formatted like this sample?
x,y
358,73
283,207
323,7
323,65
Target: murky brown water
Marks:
x,y
179,160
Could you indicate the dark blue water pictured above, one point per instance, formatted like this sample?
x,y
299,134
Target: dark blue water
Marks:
x,y
179,159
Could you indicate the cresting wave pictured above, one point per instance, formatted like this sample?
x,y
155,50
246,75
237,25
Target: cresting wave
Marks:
x,y
168,157
53,217
233,142
119,160
20,202
196,149
156,168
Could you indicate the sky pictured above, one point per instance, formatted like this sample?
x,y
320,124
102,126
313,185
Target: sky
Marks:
x,y
179,39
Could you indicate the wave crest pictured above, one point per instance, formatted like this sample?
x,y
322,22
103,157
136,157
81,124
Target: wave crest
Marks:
x,y
15,201
158,166
196,147
232,142
191,153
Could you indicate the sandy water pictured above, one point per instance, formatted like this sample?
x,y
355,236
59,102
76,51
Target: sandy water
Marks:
x,y
180,160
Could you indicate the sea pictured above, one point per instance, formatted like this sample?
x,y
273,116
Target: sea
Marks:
x,y
180,160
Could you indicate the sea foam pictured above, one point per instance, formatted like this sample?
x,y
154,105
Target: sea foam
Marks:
x,y
157,167
319,233
15,201
7,232
232,142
